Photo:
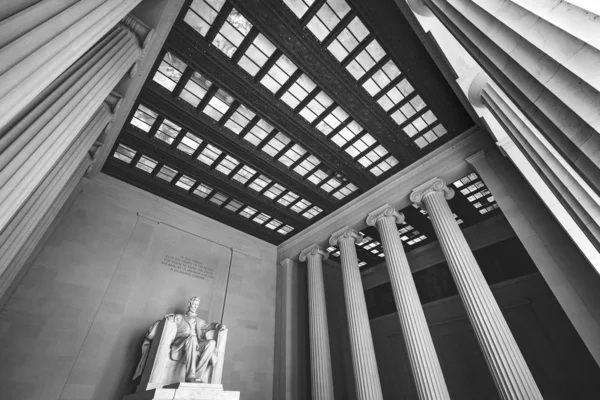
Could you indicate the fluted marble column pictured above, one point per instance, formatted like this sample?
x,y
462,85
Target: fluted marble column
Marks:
x,y
424,362
364,363
548,73
320,354
40,41
507,365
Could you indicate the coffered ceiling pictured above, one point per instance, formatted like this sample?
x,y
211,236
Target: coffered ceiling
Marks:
x,y
269,114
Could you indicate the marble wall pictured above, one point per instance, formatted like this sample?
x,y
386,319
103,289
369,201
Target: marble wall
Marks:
x,y
73,326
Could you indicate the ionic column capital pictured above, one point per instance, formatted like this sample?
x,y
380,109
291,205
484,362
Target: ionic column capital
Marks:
x,y
313,250
385,211
345,233
431,186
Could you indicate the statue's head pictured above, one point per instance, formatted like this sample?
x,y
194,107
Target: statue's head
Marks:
x,y
193,304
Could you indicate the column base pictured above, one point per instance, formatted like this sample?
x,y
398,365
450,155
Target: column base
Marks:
x,y
187,391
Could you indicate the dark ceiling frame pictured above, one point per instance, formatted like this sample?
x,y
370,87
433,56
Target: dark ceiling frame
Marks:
x,y
156,97
179,196
163,153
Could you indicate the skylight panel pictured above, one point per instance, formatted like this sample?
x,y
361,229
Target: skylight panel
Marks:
x,y
316,106
218,105
258,132
384,166
166,173
276,144
381,78
257,54
234,205
362,264
202,14
261,218
272,224
307,165
285,230
248,211
347,133
292,155
185,182
313,212
300,206
366,60
232,33
259,183
348,39
299,7
203,190
431,135
189,143
227,165
209,155
244,174
218,198
317,176
169,72
168,131
360,145
473,188
395,95
345,191
287,199
146,164
124,153
279,73
274,190
373,156
298,91
332,120
331,184
195,89
143,118
327,18
239,119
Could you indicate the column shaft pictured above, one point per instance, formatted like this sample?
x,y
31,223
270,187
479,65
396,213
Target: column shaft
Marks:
x,y
320,354
30,148
507,365
424,362
42,41
573,193
561,106
364,363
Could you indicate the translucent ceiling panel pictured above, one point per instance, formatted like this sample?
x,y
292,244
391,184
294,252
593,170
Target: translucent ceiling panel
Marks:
x,y
169,72
299,7
257,54
329,15
202,14
279,73
143,118
195,89
298,91
218,105
232,33
365,60
348,39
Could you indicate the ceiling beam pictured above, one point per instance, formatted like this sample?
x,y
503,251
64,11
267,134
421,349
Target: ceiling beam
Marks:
x,y
188,45
162,153
177,195
159,99
280,25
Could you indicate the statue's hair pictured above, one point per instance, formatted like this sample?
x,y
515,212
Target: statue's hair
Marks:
x,y
193,299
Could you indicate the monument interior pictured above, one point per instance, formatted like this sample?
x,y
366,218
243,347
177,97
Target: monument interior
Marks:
x,y
299,199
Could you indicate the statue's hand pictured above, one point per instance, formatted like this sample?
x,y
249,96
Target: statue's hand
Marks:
x,y
170,317
222,327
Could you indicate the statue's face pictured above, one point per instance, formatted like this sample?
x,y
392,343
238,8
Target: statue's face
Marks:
x,y
194,305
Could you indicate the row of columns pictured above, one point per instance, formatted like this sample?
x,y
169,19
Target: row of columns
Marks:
x,y
504,359
72,55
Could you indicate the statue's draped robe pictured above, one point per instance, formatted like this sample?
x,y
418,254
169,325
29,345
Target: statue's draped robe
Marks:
x,y
191,345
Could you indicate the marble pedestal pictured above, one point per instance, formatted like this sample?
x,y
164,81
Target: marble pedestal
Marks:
x,y
186,391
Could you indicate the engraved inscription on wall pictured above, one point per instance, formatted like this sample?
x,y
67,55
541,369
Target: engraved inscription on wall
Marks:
x,y
187,266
